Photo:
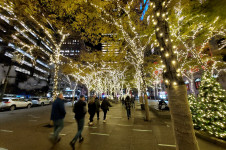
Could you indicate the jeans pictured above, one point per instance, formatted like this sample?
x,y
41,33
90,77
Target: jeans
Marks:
x,y
105,113
80,123
91,116
58,126
128,113
98,114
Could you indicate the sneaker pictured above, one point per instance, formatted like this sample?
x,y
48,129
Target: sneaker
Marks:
x,y
72,144
91,123
104,121
81,140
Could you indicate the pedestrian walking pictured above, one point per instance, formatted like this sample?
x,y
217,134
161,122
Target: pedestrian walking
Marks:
x,y
97,102
57,115
91,110
80,112
105,107
133,101
128,106
123,101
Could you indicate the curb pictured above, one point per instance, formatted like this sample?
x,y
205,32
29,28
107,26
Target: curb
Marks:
x,y
210,138
159,113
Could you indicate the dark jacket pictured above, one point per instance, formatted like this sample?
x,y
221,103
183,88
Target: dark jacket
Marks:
x,y
80,109
91,107
97,102
128,102
58,110
105,105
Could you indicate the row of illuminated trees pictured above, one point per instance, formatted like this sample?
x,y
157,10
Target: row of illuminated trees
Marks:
x,y
179,29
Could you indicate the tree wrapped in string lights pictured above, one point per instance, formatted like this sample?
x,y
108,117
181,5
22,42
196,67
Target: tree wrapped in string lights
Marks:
x,y
208,110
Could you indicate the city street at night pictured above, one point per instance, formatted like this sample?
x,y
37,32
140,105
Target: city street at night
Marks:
x,y
62,62
25,130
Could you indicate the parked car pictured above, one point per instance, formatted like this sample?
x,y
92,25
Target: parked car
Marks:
x,y
12,103
40,101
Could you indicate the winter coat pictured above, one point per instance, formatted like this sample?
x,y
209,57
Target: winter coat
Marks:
x,y
92,107
58,110
97,102
128,103
80,109
105,105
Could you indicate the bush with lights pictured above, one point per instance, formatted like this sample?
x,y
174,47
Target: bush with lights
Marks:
x,y
209,109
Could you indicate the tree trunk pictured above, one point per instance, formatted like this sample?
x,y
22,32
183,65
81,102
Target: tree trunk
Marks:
x,y
180,112
146,107
192,84
55,88
181,118
144,87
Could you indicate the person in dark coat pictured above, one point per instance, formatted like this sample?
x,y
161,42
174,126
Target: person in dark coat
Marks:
x,y
123,101
128,106
97,102
133,101
91,110
80,112
57,115
105,107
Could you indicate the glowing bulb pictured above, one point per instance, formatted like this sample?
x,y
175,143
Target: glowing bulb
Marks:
x,y
174,83
163,4
166,81
162,48
167,40
174,47
157,29
167,54
163,15
161,34
158,14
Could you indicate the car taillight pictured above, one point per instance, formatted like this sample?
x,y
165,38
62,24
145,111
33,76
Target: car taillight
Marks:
x,y
6,102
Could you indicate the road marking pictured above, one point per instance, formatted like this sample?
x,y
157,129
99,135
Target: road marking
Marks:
x,y
62,134
124,125
99,134
3,148
33,120
7,131
142,130
36,117
90,127
166,145
33,116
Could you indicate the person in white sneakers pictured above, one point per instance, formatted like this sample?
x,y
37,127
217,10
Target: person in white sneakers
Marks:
x,y
91,110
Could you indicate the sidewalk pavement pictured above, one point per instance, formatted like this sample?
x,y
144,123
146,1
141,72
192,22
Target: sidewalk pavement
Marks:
x,y
119,133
